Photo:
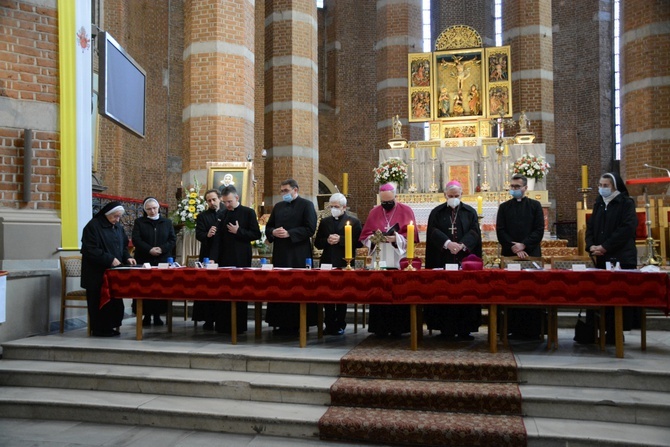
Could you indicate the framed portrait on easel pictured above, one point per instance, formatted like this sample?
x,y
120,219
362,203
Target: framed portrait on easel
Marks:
x,y
237,174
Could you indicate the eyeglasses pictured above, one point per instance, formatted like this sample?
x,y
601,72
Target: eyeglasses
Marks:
x,y
515,186
285,191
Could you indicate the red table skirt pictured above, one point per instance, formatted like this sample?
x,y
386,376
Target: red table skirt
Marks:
x,y
548,288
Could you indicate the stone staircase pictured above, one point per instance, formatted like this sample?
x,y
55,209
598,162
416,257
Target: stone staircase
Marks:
x,y
583,397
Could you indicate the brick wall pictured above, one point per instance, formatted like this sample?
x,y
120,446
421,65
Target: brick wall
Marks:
x,y
28,75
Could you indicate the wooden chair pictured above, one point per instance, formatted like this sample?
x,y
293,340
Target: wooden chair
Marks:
x,y
70,267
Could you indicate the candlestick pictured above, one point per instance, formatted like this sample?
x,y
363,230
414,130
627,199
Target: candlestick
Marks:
x,y
347,241
585,192
485,151
410,240
480,205
585,176
433,153
345,183
506,153
411,152
485,184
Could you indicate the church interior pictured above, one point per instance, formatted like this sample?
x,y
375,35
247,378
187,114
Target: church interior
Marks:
x,y
329,93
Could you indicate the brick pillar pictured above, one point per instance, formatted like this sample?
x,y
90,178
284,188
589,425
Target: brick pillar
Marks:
x,y
527,29
291,97
645,89
399,30
218,110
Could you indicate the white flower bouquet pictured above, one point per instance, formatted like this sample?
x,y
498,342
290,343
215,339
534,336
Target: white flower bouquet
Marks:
x,y
531,166
391,170
189,207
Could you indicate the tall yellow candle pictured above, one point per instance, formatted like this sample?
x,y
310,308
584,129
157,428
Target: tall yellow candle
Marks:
x,y
434,152
585,176
345,183
480,205
485,151
411,152
506,154
410,239
347,241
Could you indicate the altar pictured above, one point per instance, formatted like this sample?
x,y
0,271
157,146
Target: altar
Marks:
x,y
436,162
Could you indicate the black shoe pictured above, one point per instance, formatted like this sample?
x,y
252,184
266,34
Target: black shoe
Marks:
x,y
396,334
465,337
329,331
146,321
116,332
285,331
158,321
208,326
447,337
107,333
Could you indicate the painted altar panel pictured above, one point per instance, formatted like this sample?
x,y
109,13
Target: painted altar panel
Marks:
x,y
458,84
499,81
420,75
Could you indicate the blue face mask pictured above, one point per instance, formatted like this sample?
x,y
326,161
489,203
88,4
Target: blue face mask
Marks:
x,y
605,192
287,197
516,193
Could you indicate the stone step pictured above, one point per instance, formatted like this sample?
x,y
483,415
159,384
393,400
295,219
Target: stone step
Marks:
x,y
180,412
239,385
594,372
597,404
213,356
549,432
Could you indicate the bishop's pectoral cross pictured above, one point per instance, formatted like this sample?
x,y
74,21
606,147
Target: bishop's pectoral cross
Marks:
x,y
453,228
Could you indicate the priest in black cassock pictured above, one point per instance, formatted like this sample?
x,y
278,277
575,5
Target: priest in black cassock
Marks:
x,y
330,239
237,226
452,234
290,227
205,230
520,227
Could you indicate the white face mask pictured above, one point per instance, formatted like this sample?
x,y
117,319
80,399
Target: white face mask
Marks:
x,y
453,202
336,212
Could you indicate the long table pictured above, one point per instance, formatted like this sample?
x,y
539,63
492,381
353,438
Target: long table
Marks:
x,y
549,288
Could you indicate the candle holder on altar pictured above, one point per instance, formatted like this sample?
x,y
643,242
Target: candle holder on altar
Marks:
x,y
506,163
412,186
433,185
409,267
348,267
585,192
485,184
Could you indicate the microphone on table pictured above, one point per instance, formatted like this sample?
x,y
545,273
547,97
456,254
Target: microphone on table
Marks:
x,y
656,167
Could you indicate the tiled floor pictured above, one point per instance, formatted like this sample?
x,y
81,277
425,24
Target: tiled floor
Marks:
x,y
24,433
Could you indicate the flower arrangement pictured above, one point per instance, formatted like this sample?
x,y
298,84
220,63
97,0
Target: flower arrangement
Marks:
x,y
391,170
190,206
261,244
531,166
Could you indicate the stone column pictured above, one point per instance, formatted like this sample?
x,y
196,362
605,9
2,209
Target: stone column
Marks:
x,y
645,87
218,112
399,30
291,98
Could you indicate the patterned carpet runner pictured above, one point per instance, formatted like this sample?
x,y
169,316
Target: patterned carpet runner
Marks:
x,y
446,394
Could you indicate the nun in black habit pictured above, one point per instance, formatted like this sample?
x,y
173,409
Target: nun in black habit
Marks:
x,y
104,244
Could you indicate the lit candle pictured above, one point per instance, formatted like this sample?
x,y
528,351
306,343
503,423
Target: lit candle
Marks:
x,y
411,152
434,152
585,176
345,183
480,205
410,239
506,150
485,152
347,241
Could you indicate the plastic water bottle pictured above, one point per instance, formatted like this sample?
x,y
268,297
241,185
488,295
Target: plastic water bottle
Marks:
x,y
264,261
308,263
170,261
205,261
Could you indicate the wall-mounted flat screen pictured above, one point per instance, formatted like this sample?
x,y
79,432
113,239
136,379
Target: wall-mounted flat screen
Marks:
x,y
122,87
